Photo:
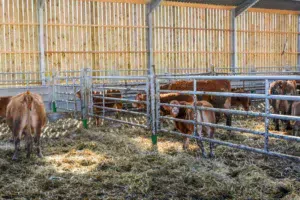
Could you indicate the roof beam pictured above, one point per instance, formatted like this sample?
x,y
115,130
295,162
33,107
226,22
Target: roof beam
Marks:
x,y
244,6
153,4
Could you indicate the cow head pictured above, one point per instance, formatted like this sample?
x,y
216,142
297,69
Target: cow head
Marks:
x,y
28,99
78,94
174,111
277,87
140,97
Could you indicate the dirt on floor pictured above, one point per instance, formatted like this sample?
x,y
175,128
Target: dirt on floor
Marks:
x,y
119,162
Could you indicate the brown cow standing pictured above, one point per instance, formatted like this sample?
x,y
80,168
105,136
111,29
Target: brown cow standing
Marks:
x,y
98,101
296,112
164,98
26,113
207,85
282,88
240,101
3,105
188,114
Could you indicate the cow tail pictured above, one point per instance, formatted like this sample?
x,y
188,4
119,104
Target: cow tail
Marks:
x,y
28,121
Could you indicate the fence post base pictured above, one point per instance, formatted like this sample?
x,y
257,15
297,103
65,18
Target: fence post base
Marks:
x,y
84,123
53,106
154,139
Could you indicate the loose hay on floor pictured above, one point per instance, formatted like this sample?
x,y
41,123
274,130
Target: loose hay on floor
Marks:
x,y
121,163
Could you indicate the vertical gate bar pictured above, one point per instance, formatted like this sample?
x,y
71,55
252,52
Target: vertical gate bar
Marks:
x,y
103,100
54,92
153,115
91,103
195,105
157,98
150,71
67,91
83,83
74,97
147,90
267,111
233,42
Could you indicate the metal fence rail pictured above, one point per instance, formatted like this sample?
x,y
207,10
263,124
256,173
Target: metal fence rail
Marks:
x,y
109,91
266,114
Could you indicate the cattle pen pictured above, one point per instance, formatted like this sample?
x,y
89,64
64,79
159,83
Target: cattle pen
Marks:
x,y
104,70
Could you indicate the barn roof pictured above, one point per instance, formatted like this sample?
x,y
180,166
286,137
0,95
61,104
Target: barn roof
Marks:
x,y
267,4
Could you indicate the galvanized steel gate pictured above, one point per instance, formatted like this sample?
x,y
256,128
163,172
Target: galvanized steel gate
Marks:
x,y
266,114
96,102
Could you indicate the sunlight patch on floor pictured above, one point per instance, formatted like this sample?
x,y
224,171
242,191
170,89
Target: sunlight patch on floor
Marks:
x,y
76,161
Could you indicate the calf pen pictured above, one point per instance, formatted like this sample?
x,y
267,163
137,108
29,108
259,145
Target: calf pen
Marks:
x,y
266,114
62,94
95,88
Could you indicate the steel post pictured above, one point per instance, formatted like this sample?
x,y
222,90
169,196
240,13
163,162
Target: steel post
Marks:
x,y
152,98
267,111
41,40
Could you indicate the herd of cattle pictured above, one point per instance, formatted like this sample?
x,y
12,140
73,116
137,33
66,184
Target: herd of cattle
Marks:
x,y
25,113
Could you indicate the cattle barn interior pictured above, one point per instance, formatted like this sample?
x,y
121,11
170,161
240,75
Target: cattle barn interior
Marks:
x,y
150,99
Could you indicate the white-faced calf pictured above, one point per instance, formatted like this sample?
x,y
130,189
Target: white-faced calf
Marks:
x,y
188,114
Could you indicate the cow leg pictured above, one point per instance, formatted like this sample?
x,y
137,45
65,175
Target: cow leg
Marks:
x,y
37,140
276,121
28,139
218,116
288,125
117,115
17,133
199,141
276,124
288,122
186,143
211,145
17,147
96,121
228,119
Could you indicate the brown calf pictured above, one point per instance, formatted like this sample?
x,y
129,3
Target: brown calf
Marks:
x,y
207,85
296,112
164,98
26,113
3,105
188,114
98,101
282,88
240,101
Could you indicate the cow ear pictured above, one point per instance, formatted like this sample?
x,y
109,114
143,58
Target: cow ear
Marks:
x,y
78,94
167,108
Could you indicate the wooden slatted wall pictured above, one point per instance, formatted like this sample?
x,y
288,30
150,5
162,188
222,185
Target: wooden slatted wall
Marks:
x,y
18,40
111,35
105,36
267,41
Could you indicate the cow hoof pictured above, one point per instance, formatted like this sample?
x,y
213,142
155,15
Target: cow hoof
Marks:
x,y
211,155
40,155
